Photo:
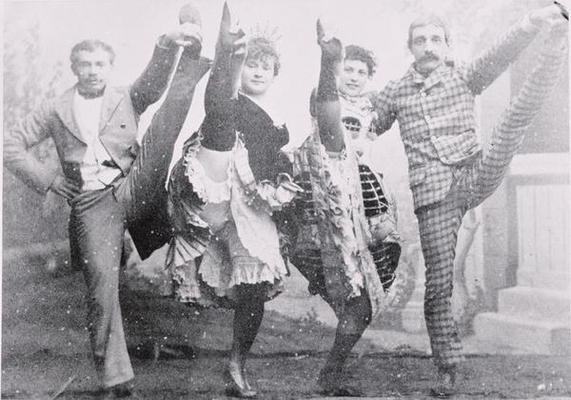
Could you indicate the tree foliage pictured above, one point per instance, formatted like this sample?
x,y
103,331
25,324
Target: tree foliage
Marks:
x,y
28,217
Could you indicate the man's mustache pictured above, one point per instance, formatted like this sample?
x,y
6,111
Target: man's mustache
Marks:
x,y
430,57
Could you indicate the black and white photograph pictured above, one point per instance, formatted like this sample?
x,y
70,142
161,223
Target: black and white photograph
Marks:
x,y
285,199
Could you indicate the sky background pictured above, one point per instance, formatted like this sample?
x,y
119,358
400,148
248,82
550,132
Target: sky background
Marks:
x,y
132,26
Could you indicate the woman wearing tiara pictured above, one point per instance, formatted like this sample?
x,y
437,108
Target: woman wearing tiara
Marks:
x,y
347,244
224,191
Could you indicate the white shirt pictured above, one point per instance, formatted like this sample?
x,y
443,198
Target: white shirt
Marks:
x,y
87,113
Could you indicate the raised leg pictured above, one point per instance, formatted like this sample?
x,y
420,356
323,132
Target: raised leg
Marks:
x,y
149,171
508,133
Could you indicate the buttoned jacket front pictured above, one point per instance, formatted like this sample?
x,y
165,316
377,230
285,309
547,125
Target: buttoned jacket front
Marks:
x,y
436,115
118,122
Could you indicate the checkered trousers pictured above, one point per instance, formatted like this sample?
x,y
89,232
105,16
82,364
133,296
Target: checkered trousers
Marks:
x,y
438,226
439,223
481,179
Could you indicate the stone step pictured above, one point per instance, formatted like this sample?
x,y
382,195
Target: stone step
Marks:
x,y
551,279
534,303
539,337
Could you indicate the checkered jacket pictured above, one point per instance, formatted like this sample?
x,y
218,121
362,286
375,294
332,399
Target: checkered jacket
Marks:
x,y
436,114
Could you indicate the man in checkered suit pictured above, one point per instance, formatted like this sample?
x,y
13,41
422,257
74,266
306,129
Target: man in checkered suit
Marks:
x,y
449,173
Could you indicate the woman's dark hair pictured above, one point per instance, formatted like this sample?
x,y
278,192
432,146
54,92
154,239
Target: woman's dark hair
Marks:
x,y
353,52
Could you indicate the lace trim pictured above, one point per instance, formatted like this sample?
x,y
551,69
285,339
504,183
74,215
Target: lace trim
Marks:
x,y
266,196
251,204
207,190
333,201
224,277
342,226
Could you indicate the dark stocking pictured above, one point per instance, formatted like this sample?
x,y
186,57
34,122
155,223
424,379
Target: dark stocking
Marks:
x,y
353,321
248,316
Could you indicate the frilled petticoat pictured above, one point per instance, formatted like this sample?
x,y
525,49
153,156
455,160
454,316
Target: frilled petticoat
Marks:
x,y
224,234
337,226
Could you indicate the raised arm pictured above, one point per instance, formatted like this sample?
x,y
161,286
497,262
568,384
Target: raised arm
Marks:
x,y
325,103
492,63
384,106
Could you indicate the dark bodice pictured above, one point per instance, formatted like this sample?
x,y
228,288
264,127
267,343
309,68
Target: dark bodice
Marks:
x,y
261,137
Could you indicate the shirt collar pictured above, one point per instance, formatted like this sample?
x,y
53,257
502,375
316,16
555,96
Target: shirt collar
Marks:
x,y
98,96
429,81
80,97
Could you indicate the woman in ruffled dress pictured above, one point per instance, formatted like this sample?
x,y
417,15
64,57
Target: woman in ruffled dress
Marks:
x,y
224,191
347,243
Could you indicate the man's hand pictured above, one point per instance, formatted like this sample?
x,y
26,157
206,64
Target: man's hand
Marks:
x,y
64,188
185,35
550,16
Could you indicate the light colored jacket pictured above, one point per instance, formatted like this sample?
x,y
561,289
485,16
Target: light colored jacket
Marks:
x,y
54,119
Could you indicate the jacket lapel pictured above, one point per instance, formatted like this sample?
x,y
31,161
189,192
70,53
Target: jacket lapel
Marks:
x,y
415,76
64,110
111,100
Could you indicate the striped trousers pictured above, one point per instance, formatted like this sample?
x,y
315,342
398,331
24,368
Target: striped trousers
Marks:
x,y
439,223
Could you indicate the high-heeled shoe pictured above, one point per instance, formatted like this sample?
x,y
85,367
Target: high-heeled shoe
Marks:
x,y
234,389
245,378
